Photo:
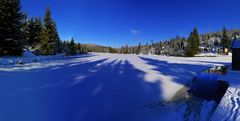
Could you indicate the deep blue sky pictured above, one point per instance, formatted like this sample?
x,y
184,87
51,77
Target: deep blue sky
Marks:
x,y
120,22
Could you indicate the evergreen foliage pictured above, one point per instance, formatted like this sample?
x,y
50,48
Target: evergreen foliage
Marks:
x,y
50,42
11,37
193,44
225,40
19,32
33,32
70,48
138,48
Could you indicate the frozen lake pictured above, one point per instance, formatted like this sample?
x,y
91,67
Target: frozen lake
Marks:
x,y
98,87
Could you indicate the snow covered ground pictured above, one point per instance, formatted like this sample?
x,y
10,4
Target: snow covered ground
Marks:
x,y
28,57
100,87
229,107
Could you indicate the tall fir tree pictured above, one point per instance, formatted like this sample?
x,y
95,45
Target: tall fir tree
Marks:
x,y
37,31
193,44
196,40
79,48
189,51
30,36
225,40
11,37
25,27
71,50
48,36
32,31
56,38
138,48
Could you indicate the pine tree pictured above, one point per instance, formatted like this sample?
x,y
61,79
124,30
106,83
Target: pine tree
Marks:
x,y
48,36
196,40
57,39
138,48
193,44
11,37
79,48
37,31
225,40
30,36
24,28
190,50
32,31
70,48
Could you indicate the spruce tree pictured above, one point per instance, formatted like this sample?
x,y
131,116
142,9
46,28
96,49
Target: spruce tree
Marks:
x,y
193,43
11,37
138,48
24,28
56,39
225,40
196,40
79,48
70,48
30,36
32,31
190,50
37,31
48,41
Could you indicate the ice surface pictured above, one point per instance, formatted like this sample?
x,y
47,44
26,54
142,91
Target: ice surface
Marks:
x,y
98,87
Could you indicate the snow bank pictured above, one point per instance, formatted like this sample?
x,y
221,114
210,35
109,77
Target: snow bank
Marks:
x,y
28,57
229,107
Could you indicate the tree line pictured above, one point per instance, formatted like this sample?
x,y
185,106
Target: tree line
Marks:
x,y
184,46
18,32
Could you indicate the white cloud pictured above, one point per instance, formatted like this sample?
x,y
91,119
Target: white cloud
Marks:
x,y
134,31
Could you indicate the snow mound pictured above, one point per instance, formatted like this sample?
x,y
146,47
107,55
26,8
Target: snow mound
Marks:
x,y
28,54
28,57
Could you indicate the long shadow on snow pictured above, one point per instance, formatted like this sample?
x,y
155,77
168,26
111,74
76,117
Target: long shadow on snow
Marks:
x,y
181,73
86,92
223,63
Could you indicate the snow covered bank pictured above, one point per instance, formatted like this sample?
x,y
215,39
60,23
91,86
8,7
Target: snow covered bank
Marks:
x,y
229,107
28,57
99,87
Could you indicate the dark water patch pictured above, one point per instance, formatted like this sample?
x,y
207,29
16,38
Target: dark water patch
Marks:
x,y
207,86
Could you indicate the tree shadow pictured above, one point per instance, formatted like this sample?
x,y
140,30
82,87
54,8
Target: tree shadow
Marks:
x,y
181,73
80,56
91,91
208,62
38,61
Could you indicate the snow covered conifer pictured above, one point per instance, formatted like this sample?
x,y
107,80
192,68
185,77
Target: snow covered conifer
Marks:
x,y
11,37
